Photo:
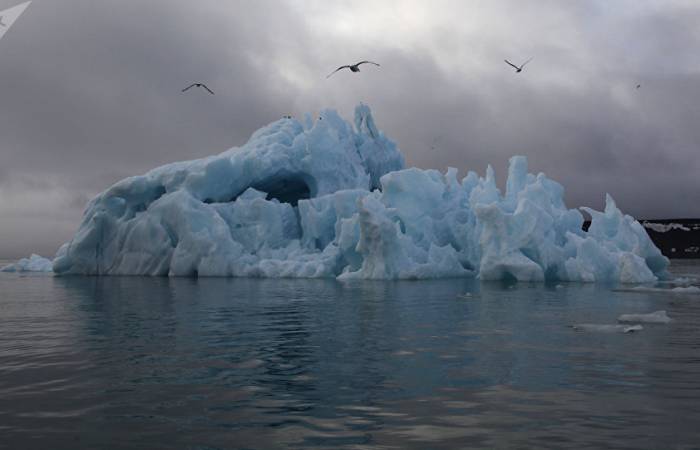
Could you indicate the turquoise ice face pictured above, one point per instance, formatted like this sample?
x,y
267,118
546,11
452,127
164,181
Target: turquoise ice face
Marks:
x,y
324,198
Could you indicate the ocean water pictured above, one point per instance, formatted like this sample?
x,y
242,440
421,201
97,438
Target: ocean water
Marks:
x,y
116,363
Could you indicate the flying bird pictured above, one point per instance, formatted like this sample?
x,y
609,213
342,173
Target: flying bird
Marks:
x,y
200,85
353,67
517,69
638,86
1,23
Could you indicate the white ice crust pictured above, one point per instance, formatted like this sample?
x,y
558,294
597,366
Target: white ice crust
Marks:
x,y
600,328
655,317
34,263
686,290
325,199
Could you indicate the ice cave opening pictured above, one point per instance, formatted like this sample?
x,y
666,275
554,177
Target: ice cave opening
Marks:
x,y
286,189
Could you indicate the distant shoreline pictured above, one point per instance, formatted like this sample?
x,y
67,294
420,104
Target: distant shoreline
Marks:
x,y
676,238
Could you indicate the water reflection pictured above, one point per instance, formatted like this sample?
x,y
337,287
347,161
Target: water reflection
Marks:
x,y
245,363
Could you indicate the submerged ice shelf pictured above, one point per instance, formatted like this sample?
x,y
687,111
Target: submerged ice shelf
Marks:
x,y
326,199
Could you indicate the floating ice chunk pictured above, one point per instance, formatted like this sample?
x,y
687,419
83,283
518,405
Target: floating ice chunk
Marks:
x,y
682,281
34,263
326,199
691,290
686,290
596,328
655,317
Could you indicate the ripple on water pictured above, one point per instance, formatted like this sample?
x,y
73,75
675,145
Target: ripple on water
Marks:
x,y
161,363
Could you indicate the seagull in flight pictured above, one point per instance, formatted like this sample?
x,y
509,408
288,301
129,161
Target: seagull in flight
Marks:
x,y
200,85
517,69
353,67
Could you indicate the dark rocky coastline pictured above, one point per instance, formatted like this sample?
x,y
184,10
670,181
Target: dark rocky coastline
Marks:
x,y
676,238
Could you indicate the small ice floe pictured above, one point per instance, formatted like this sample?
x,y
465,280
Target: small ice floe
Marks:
x,y
655,290
681,281
34,263
597,328
686,290
655,317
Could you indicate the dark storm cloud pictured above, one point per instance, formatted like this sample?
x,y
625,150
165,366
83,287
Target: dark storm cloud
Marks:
x,y
97,86
91,93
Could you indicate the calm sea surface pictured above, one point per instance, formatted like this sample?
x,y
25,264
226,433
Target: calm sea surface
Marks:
x,y
117,363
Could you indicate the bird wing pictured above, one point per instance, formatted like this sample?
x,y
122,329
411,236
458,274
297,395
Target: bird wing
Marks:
x,y
368,62
189,87
339,68
511,64
526,62
205,87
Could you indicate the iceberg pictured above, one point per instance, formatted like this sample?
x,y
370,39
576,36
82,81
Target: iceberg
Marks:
x,y
34,263
326,198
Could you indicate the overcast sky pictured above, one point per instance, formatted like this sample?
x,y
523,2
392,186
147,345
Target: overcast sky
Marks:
x,y
90,93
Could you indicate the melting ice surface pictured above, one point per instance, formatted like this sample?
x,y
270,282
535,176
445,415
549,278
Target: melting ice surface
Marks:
x,y
326,199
